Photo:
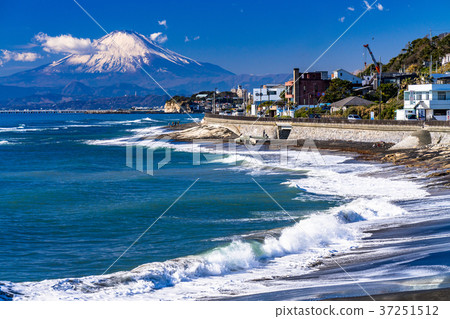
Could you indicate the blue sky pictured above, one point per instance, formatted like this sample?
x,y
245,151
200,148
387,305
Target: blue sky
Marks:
x,y
255,37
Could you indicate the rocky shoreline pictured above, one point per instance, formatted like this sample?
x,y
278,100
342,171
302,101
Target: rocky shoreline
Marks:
x,y
431,159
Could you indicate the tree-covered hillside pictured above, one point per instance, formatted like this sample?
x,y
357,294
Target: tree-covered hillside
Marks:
x,y
419,51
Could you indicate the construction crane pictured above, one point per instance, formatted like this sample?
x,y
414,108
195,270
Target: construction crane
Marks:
x,y
377,65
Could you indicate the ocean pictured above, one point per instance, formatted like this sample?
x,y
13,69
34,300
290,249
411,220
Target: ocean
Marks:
x,y
80,197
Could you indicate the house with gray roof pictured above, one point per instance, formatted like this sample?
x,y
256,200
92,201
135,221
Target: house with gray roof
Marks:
x,y
348,102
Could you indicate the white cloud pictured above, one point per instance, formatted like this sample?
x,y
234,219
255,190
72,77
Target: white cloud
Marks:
x,y
351,9
158,37
7,56
342,19
380,7
65,43
186,38
163,23
368,6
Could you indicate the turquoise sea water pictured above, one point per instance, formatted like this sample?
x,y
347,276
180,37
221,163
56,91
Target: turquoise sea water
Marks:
x,y
69,207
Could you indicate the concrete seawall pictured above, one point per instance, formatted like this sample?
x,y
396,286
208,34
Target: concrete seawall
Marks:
x,y
358,131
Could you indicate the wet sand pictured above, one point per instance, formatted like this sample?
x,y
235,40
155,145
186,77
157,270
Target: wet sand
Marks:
x,y
421,295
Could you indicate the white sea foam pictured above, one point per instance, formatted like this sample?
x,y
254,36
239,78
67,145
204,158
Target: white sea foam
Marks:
x,y
123,141
368,199
81,125
130,122
250,220
148,132
251,159
142,136
22,128
353,185
319,235
149,119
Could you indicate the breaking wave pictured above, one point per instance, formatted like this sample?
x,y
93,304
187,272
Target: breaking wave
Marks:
x,y
317,236
366,200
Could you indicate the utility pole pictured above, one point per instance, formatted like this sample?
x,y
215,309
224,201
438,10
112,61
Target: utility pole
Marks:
x,y
431,56
379,87
214,101
260,95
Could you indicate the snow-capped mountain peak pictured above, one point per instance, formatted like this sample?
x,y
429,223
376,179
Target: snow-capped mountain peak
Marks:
x,y
121,51
116,59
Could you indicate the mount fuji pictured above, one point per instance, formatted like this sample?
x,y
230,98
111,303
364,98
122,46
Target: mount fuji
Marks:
x,y
124,62
129,52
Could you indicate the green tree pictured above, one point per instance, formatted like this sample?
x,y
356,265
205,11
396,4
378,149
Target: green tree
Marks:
x,y
406,82
283,96
413,68
305,112
338,90
388,90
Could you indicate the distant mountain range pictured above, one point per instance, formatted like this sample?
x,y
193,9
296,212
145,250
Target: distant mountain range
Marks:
x,y
113,69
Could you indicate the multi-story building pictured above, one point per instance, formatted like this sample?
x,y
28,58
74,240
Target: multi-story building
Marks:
x,y
307,88
268,92
345,75
241,92
426,102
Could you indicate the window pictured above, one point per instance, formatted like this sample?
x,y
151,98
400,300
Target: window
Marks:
x,y
407,95
418,96
441,96
440,112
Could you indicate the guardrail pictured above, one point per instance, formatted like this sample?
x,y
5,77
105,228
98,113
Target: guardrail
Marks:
x,y
330,120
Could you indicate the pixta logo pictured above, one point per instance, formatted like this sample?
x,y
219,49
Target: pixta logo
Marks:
x,y
141,156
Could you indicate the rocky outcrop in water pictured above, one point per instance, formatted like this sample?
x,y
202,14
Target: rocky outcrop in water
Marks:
x,y
201,131
173,106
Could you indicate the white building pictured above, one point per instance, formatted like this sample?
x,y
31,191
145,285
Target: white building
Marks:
x,y
426,101
269,92
446,59
345,75
241,92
